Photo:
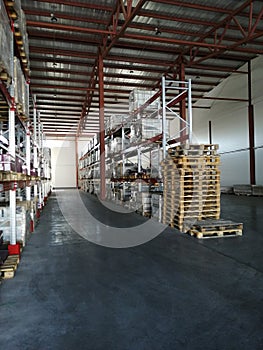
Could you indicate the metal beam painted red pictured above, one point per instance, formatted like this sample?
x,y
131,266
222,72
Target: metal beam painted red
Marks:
x,y
58,70
71,53
102,129
68,28
128,19
79,38
62,87
63,15
225,24
92,6
251,129
194,6
82,62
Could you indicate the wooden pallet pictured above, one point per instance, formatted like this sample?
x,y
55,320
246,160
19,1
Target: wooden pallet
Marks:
x,y
210,146
191,187
216,233
216,228
8,269
181,204
171,193
220,224
172,166
4,76
192,152
181,209
197,180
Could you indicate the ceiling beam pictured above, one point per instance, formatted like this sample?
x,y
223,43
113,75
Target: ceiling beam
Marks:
x,y
63,15
58,70
92,6
61,87
60,52
50,60
194,6
67,28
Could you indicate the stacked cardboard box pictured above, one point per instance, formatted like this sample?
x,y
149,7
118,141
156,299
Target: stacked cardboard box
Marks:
x,y
191,185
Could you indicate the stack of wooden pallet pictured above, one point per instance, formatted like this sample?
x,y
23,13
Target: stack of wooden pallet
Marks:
x,y
191,185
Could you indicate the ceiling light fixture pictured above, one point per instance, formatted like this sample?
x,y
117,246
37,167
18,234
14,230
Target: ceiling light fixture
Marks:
x,y
157,31
53,18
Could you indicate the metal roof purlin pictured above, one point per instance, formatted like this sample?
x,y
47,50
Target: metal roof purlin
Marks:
x,y
87,5
129,13
212,39
59,26
224,23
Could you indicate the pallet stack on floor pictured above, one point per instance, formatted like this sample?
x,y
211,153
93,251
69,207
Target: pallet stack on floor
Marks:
x,y
191,180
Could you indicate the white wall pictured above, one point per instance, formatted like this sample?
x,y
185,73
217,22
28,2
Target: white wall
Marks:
x,y
63,161
230,125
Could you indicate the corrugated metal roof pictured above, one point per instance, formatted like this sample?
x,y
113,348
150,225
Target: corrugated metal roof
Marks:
x,y
212,38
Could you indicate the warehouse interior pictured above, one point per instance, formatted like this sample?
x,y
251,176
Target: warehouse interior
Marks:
x,y
131,140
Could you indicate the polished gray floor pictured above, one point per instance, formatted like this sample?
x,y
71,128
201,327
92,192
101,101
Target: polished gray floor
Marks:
x,y
174,292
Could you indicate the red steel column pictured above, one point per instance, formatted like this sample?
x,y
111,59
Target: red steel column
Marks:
x,y
102,128
251,129
182,103
77,161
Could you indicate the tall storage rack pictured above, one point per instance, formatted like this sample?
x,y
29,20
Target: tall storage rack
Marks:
x,y
24,163
136,144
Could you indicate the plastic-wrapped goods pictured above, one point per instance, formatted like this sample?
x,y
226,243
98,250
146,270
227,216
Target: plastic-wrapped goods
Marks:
x,y
145,129
115,121
138,98
157,204
25,99
23,31
22,223
19,81
7,163
20,27
17,6
156,159
47,154
143,200
118,145
5,40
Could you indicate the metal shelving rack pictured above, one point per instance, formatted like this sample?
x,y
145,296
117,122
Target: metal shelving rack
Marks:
x,y
26,172
119,183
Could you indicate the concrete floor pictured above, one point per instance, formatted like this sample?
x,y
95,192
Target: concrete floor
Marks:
x,y
174,292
